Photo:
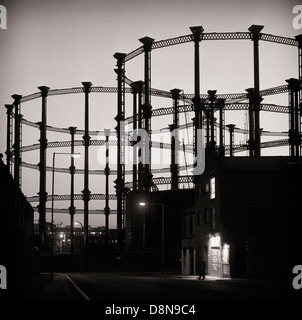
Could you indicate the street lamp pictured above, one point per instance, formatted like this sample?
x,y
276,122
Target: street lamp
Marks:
x,y
74,155
82,243
62,240
162,230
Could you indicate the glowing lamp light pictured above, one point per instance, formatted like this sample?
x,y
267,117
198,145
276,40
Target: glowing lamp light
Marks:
x,y
215,240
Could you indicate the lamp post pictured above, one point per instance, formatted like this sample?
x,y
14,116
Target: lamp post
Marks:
x,y
75,155
162,230
82,243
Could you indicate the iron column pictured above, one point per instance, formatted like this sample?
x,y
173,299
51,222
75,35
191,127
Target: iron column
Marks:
x,y
197,36
175,140
9,109
251,142
221,105
107,173
42,168
120,181
16,146
231,130
72,207
294,120
134,166
147,176
255,36
86,192
212,97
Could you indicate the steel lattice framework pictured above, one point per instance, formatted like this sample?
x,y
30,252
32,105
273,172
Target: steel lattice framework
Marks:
x,y
202,105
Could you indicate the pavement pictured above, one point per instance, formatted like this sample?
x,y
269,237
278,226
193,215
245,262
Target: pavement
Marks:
x,y
40,287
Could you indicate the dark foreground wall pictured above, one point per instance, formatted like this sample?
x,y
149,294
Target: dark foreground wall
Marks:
x,y
17,252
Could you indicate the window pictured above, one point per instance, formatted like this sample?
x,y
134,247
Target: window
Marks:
x,y
206,216
213,218
212,188
207,187
199,217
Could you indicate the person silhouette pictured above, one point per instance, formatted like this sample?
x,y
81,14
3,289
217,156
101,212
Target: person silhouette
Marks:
x,y
201,268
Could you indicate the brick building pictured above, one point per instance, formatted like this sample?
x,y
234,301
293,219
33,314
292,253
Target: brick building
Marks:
x,y
247,218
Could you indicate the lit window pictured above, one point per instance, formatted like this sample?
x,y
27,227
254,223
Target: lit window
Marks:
x,y
212,188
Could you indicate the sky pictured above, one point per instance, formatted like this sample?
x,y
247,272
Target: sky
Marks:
x,y
62,43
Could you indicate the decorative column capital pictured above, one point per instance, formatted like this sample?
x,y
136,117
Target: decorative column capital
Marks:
x,y
293,84
212,95
72,130
255,31
197,32
231,127
44,91
147,42
137,86
221,102
9,108
250,92
299,39
87,86
120,57
175,93
17,98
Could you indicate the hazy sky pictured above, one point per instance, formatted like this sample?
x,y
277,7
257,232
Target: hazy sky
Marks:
x,y
61,43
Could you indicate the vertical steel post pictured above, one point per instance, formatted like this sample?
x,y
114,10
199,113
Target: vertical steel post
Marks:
x,y
197,37
134,166
175,140
72,207
221,106
140,124
120,181
107,173
208,116
231,130
86,192
299,39
42,168
147,107
251,142
294,117
212,97
9,109
255,36
16,146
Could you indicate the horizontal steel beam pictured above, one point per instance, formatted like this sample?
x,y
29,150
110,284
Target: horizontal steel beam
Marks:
x,y
76,197
77,211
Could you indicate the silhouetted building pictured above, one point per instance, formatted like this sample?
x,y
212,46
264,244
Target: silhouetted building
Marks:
x,y
62,238
156,223
17,252
247,218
